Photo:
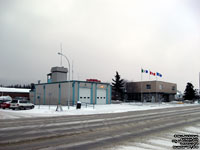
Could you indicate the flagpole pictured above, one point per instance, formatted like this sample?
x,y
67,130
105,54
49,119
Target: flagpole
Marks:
x,y
150,84
141,84
156,88
156,76
199,83
149,76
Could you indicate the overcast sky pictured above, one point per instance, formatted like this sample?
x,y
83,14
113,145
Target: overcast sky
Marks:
x,y
100,37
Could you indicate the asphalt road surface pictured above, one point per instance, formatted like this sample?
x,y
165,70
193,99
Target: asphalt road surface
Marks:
x,y
91,131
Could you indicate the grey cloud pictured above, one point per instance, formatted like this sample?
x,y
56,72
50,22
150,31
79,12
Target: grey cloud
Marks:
x,y
100,37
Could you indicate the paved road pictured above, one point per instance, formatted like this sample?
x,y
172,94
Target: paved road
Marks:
x,y
91,131
162,140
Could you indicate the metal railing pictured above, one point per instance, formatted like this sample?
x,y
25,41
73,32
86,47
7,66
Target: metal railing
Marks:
x,y
87,105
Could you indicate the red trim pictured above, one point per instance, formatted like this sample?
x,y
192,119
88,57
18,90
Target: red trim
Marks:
x,y
93,80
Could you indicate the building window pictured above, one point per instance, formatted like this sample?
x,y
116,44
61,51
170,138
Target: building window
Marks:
x,y
173,88
148,86
161,87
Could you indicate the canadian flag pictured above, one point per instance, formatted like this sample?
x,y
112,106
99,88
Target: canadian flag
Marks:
x,y
152,73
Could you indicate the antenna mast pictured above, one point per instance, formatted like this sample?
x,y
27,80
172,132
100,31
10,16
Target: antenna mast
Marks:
x,y
61,55
72,69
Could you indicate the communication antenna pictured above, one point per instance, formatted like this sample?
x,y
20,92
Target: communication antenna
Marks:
x,y
72,69
61,55
78,76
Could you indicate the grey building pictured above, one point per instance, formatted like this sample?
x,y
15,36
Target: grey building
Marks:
x,y
151,91
59,91
57,74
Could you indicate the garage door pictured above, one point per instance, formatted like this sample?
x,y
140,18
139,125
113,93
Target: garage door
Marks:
x,y
101,96
84,95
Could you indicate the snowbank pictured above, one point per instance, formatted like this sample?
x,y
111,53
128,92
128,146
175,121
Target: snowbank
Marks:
x,y
45,110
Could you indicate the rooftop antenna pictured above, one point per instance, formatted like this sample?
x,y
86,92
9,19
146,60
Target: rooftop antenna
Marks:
x,y
72,69
78,75
61,55
199,83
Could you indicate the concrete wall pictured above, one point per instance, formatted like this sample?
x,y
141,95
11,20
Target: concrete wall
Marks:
x,y
156,86
57,93
58,74
54,94
159,91
51,94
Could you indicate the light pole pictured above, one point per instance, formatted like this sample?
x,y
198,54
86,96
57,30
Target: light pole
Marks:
x,y
69,77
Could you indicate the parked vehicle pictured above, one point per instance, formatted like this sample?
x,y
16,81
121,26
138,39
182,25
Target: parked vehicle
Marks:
x,y
5,98
2,101
21,104
6,104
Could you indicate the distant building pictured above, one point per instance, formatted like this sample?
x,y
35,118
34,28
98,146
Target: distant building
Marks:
x,y
58,90
151,91
14,92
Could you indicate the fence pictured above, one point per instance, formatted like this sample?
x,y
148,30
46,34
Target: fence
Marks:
x,y
88,105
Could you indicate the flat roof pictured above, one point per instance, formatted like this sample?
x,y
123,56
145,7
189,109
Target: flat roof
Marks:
x,y
72,82
14,90
151,81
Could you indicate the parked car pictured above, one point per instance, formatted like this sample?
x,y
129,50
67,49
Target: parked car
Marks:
x,y
6,104
2,101
5,98
21,104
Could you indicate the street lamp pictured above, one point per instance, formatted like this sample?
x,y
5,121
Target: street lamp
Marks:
x,y
69,76
67,61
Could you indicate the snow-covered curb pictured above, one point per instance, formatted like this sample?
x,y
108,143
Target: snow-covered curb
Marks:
x,y
45,110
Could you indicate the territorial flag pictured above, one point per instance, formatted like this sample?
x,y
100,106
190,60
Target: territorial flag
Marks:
x,y
158,74
144,71
152,73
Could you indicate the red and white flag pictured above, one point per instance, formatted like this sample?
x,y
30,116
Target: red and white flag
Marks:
x,y
152,73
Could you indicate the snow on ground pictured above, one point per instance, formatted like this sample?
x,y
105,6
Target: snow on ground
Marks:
x,y
45,110
162,141
156,142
